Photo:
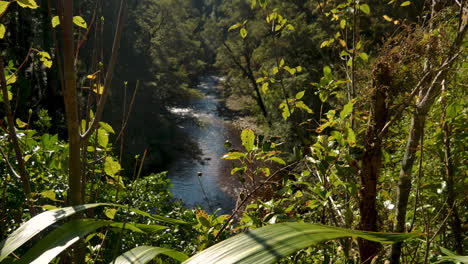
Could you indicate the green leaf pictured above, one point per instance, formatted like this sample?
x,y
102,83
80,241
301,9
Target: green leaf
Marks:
x,y
111,167
343,23
363,56
253,4
45,59
55,21
3,7
406,3
301,105
145,254
300,94
102,137
365,8
351,137
270,243
234,27
50,194
327,72
79,21
64,236
110,212
2,31
27,3
233,171
36,224
20,123
233,155
277,160
10,79
248,139
243,33
106,127
265,86
347,109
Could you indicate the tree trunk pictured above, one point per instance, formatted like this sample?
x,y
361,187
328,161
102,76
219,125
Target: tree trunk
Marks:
x,y
372,162
71,105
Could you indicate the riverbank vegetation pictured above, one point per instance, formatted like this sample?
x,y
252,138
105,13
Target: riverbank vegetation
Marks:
x,y
354,150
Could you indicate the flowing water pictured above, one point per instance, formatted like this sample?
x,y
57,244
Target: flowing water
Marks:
x,y
205,182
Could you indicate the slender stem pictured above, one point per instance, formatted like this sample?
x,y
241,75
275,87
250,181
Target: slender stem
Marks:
x,y
110,73
14,139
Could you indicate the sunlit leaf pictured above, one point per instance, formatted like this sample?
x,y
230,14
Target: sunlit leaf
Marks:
x,y
45,59
243,33
2,31
300,94
145,254
406,3
365,8
277,160
363,56
27,3
99,88
351,137
106,127
265,86
50,194
389,19
10,79
111,167
55,21
234,27
110,212
248,139
347,109
343,23
102,137
20,123
3,7
79,21
270,243
233,155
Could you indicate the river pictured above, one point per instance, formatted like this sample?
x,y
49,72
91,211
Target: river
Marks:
x,y
205,182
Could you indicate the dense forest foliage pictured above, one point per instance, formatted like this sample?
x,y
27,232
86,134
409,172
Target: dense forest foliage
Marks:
x,y
351,117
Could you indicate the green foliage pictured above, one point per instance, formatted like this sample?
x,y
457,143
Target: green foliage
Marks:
x,y
270,243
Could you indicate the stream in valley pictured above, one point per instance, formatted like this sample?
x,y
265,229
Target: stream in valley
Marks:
x,y
207,181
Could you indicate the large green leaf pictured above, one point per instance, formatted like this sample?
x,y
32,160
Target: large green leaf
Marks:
x,y
66,235
36,225
270,243
40,222
248,139
144,254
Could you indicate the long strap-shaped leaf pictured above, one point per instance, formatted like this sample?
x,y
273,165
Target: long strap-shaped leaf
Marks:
x,y
40,222
36,225
270,243
64,236
144,254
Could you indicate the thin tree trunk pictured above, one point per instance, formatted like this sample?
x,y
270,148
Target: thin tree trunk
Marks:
x,y
71,105
372,163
